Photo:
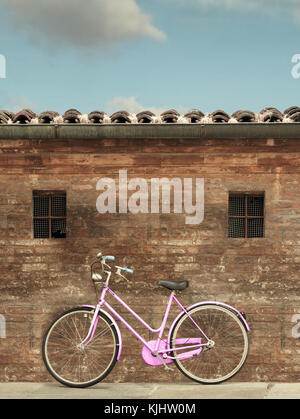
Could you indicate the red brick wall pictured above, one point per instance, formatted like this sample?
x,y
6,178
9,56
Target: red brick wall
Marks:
x,y
40,277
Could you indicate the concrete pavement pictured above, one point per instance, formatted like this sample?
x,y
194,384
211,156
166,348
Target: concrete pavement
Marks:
x,y
150,391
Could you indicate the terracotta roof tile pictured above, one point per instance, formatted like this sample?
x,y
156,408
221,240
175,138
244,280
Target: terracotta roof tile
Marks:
x,y
171,116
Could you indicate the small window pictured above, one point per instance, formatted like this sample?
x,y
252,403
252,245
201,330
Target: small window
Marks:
x,y
246,215
49,214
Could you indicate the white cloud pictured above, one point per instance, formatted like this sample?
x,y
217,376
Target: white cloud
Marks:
x,y
81,23
131,105
128,104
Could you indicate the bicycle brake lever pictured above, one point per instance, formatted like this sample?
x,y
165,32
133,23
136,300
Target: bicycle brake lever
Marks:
x,y
103,259
127,280
119,273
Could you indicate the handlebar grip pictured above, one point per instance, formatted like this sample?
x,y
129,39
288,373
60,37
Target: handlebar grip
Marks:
x,y
109,257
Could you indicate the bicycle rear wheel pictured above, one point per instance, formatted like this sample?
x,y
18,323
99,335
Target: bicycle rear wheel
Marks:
x,y
76,365
229,343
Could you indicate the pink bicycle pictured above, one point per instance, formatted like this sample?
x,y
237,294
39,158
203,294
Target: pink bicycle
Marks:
x,y
207,341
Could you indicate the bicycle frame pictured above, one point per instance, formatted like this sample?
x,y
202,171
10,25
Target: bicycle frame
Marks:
x,y
155,352
160,331
82,345
161,354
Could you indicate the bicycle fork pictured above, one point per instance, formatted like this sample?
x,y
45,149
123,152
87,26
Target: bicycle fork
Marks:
x,y
95,318
92,328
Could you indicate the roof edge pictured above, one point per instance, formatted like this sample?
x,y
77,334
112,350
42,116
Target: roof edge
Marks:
x,y
138,131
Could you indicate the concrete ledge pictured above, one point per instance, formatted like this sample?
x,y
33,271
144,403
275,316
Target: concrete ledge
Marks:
x,y
150,391
163,131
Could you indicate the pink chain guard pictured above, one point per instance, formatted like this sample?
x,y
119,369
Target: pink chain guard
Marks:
x,y
155,361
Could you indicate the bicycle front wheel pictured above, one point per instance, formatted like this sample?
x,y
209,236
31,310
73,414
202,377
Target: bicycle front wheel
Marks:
x,y
77,365
228,348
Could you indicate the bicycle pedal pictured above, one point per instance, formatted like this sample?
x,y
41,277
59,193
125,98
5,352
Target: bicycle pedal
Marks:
x,y
166,367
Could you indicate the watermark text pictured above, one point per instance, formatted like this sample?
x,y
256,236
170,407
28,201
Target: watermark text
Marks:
x,y
296,327
152,196
2,327
2,66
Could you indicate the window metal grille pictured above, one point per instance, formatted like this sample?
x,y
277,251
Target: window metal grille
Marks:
x,y
246,215
49,214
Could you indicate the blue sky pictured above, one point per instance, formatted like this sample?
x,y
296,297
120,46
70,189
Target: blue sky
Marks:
x,y
149,54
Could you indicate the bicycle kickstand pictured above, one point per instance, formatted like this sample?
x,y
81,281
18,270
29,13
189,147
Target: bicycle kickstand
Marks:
x,y
166,367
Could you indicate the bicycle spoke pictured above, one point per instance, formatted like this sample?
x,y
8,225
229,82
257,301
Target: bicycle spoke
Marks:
x,y
75,364
227,348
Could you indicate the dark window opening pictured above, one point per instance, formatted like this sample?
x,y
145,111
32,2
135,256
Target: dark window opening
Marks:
x,y
246,215
49,215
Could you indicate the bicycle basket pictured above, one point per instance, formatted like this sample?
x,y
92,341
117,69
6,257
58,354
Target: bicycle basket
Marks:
x,y
96,272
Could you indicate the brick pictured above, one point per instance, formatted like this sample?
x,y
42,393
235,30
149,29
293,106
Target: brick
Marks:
x,y
41,278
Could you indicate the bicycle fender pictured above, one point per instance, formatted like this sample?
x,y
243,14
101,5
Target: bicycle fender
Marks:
x,y
209,302
115,325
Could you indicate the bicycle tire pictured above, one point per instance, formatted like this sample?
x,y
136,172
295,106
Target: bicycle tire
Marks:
x,y
76,366
231,344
